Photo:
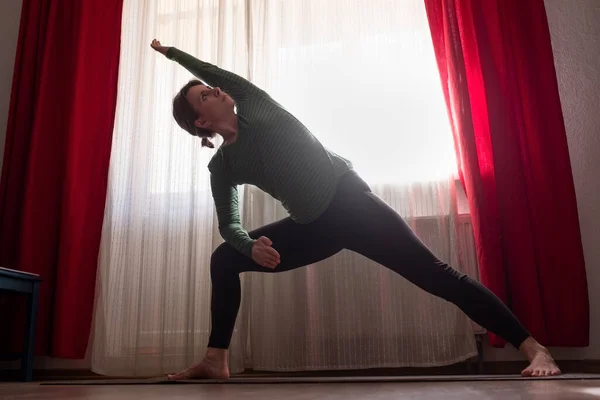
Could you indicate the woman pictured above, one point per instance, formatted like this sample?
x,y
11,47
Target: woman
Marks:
x,y
331,208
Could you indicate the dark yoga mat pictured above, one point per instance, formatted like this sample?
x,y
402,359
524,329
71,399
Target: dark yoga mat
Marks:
x,y
347,379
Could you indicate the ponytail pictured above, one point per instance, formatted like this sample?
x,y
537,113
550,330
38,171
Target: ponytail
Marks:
x,y
207,143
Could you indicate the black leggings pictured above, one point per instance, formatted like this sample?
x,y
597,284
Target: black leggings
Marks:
x,y
360,221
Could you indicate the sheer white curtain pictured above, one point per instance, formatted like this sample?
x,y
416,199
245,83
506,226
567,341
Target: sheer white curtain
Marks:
x,y
362,76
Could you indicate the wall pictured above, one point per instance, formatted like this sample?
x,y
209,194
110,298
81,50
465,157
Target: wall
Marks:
x,y
10,13
575,29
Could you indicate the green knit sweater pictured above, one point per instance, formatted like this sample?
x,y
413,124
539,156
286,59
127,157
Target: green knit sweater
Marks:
x,y
273,151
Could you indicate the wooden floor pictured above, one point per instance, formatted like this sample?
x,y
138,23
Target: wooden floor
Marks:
x,y
505,390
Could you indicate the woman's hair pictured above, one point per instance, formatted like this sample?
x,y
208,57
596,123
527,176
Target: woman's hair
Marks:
x,y
185,116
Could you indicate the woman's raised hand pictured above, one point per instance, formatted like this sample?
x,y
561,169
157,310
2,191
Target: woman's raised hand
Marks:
x,y
159,47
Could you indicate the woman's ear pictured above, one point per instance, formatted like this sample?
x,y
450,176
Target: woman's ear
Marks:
x,y
202,124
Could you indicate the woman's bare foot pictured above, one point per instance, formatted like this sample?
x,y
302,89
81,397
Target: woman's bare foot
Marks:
x,y
541,362
213,366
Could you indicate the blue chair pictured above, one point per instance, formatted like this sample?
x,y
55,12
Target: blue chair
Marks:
x,y
29,284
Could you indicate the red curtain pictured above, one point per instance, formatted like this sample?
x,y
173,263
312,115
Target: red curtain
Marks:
x,y
497,69
56,160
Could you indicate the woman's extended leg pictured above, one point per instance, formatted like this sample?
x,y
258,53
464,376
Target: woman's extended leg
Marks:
x,y
376,231
298,245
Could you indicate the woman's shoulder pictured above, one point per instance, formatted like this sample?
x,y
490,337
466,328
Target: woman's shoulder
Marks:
x,y
259,105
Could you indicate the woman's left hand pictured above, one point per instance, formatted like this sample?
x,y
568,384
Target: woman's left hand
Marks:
x,y
264,254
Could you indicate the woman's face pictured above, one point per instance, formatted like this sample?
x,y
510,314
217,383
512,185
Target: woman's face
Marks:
x,y
210,104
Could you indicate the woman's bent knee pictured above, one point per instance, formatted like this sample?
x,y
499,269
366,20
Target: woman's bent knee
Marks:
x,y
222,258
221,253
